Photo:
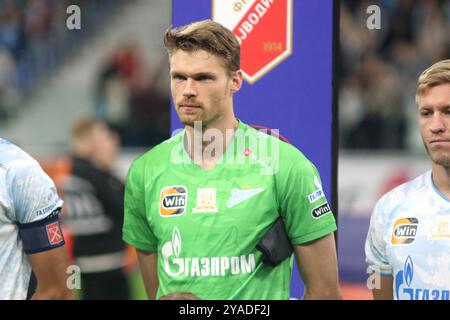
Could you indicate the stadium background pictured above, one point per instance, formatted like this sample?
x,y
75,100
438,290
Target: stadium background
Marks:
x,y
49,75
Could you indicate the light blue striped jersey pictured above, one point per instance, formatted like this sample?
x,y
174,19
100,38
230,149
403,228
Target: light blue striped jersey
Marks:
x,y
409,238
27,195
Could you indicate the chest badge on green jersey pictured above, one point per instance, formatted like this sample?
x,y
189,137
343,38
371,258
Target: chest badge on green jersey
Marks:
x,y
239,196
206,201
173,201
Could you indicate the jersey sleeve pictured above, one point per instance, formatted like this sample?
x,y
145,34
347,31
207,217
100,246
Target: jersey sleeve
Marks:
x,y
136,228
375,246
301,200
32,191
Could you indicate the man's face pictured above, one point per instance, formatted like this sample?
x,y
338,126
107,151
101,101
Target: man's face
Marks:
x,y
105,144
434,121
202,90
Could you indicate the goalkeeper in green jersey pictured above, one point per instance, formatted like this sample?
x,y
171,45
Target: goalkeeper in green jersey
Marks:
x,y
219,209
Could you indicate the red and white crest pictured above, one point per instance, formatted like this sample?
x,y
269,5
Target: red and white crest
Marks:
x,y
54,233
264,29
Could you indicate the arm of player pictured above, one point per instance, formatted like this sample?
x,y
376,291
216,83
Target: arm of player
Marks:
x,y
50,269
317,263
384,292
148,264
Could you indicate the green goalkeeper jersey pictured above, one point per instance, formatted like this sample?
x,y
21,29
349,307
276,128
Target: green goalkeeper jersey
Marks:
x,y
204,225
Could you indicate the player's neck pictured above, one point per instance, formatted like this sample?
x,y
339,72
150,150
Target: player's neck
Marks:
x,y
441,179
206,144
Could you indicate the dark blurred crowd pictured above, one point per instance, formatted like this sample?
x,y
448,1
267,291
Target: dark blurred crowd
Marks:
x,y
132,95
34,40
379,69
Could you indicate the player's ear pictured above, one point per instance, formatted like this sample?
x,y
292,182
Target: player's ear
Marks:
x,y
236,81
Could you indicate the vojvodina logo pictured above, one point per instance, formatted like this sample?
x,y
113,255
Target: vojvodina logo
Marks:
x,y
264,30
175,265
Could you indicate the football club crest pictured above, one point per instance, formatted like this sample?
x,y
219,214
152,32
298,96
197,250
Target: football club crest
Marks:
x,y
54,233
441,228
206,201
264,29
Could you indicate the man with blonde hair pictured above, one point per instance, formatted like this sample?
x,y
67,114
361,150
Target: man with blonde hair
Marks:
x,y
197,217
408,243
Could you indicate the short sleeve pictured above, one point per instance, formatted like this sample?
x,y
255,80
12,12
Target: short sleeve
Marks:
x,y
301,200
136,228
375,246
32,191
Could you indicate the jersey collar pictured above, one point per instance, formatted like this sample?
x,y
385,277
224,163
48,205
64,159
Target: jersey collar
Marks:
x,y
436,190
223,158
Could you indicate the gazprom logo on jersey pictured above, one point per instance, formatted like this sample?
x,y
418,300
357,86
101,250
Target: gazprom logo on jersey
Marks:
x,y
176,265
404,290
173,201
404,231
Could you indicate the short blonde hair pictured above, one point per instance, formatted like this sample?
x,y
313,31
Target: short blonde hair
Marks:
x,y
83,125
438,73
205,35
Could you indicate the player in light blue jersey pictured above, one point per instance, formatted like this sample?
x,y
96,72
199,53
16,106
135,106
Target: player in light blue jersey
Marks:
x,y
30,235
408,242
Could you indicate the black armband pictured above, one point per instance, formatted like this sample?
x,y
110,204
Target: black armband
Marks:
x,y
42,235
275,244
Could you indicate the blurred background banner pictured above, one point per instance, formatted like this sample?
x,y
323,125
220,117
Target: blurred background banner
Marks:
x,y
287,58
113,67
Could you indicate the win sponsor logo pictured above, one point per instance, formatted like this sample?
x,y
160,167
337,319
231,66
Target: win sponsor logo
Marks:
x,y
321,210
173,201
404,231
